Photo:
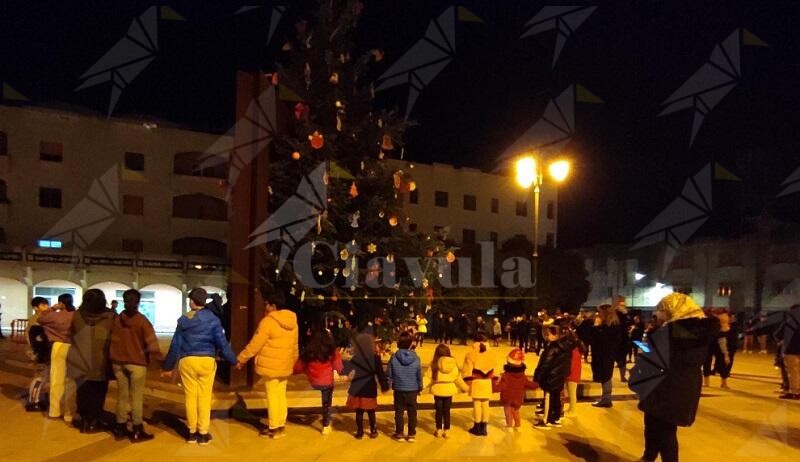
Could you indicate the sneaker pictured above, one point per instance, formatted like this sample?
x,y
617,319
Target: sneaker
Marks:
x,y
398,437
792,396
542,426
326,430
556,424
278,433
192,439
436,433
601,404
444,434
203,439
373,434
539,411
411,438
265,433
359,435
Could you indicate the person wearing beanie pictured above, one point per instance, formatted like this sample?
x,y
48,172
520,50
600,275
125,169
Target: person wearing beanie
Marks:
x,y
478,371
512,386
198,337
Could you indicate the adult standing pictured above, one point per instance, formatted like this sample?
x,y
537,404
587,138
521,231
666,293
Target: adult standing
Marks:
x,y
68,302
275,347
57,322
463,328
88,359
449,330
133,346
720,351
521,333
606,336
789,335
624,345
636,335
685,333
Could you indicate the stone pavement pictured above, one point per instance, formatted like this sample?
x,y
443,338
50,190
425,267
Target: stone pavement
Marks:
x,y
744,424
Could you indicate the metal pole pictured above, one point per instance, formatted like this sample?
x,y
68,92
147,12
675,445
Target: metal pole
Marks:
x,y
536,191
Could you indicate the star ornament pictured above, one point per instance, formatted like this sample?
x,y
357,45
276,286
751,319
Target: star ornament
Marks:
x,y
372,248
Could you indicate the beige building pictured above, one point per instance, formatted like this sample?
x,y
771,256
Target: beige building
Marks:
x,y
475,206
126,191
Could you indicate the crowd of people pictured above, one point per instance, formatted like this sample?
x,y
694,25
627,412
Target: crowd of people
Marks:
x,y
77,352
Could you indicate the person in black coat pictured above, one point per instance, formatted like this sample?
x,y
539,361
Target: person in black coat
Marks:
x,y
788,334
606,336
669,393
552,371
624,344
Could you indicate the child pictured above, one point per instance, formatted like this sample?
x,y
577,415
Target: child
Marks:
x,y
318,361
512,386
574,377
405,374
198,337
551,372
445,383
367,372
40,353
478,370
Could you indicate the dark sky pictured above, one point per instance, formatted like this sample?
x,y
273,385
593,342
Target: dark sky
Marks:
x,y
629,163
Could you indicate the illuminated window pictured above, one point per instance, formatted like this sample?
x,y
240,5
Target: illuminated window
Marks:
x,y
49,244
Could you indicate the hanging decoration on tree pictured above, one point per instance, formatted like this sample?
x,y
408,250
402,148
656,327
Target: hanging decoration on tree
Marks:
x,y
393,220
307,76
354,219
353,190
301,111
381,214
344,254
296,155
386,143
451,257
334,78
316,140
372,248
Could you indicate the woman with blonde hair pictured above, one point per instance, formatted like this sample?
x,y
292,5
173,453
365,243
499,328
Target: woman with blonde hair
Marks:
x,y
605,339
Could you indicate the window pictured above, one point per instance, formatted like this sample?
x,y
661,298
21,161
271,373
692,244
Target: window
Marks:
x,y
493,237
551,210
438,229
199,246
441,199
188,163
413,197
132,245
3,144
49,244
551,240
50,198
133,205
134,161
468,236
609,292
412,227
3,192
51,151
495,205
522,209
199,207
725,289
2,235
470,202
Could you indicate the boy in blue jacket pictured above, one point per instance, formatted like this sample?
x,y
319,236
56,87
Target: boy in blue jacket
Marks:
x,y
405,374
194,347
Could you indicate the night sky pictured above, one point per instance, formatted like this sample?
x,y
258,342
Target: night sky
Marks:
x,y
629,163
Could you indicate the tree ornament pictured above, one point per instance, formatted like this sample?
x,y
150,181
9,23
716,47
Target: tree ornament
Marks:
x,y
381,214
381,155
393,220
425,283
372,91
378,54
296,155
334,79
353,190
287,47
372,248
398,179
386,143
300,111
362,166
451,257
354,219
390,258
307,75
412,185
316,139
344,254
338,122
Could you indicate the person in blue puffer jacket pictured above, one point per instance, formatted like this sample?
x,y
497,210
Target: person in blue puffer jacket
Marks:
x,y
405,374
194,347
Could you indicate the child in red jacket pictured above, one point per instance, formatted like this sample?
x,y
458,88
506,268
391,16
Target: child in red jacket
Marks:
x,y
512,386
318,361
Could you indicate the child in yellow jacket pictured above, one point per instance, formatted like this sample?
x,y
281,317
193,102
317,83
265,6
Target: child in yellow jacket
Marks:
x,y
445,382
478,371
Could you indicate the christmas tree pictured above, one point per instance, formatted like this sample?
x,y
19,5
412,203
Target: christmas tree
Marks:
x,y
335,123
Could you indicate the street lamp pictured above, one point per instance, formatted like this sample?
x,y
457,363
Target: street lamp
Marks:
x,y
529,174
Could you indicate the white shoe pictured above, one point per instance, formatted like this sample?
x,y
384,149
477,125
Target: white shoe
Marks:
x,y
326,430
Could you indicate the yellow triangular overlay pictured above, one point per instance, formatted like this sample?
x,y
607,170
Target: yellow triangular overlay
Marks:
x,y
237,278
11,94
286,94
722,173
131,175
169,14
585,96
467,15
335,171
749,38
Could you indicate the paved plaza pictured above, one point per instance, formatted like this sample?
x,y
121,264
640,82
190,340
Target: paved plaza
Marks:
x,y
746,423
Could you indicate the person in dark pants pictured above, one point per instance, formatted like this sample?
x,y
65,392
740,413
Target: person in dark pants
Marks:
x,y
522,329
672,400
445,383
463,328
88,359
606,338
551,373
405,375
449,330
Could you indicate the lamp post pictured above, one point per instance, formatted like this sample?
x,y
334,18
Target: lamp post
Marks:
x,y
529,174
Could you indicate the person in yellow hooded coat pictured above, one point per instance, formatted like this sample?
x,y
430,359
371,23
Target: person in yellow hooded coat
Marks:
x,y
478,372
275,348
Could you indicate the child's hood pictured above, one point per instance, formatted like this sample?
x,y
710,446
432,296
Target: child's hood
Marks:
x,y
406,357
447,364
286,319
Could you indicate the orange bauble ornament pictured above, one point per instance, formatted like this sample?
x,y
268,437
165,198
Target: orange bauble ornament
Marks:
x,y
296,155
386,143
316,139
451,257
393,220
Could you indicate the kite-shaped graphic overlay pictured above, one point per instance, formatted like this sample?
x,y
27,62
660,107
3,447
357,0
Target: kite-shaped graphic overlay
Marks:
x,y
715,79
130,56
555,128
92,215
249,136
300,213
274,19
651,367
684,215
792,184
428,57
564,19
